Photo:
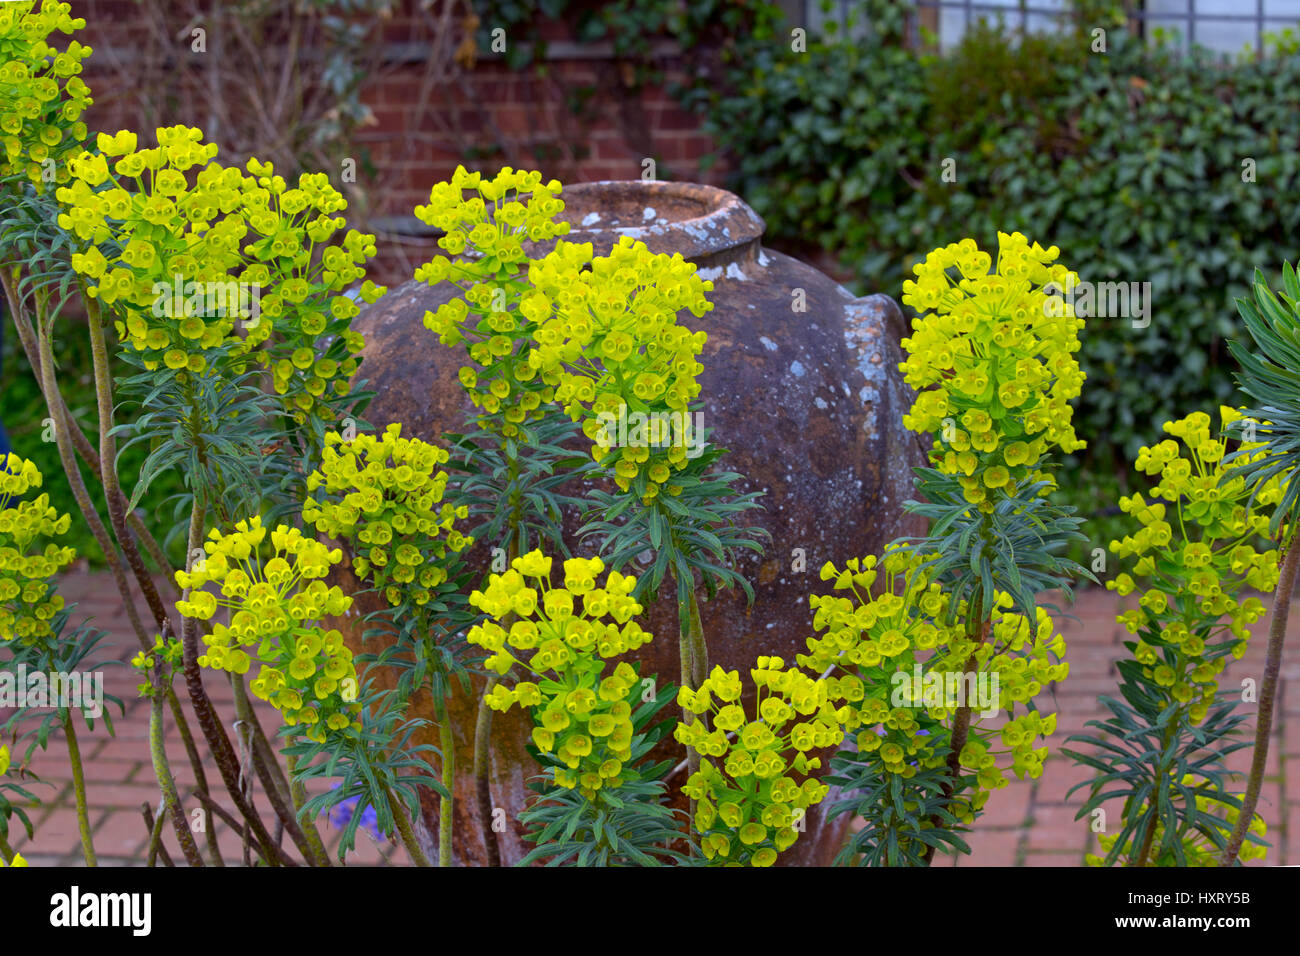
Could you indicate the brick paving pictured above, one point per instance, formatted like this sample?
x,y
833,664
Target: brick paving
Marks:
x,y
1027,823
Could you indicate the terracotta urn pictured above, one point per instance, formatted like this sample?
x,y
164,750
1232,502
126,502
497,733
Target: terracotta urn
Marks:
x,y
800,382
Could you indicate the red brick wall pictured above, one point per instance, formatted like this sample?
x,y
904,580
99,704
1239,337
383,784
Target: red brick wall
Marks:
x,y
510,118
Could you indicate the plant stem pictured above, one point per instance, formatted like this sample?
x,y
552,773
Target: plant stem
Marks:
x,y
6,850
108,462
1267,699
298,795
482,782
277,790
162,771
59,412
483,719
690,646
79,787
154,824
448,742
699,647
1144,852
62,429
404,829
975,628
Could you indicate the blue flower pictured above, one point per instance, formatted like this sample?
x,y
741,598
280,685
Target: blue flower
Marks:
x,y
346,810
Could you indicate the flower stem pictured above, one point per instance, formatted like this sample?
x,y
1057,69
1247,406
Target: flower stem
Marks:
x,y
108,462
483,719
404,830
976,627
298,794
1267,699
158,751
448,742
693,652
79,787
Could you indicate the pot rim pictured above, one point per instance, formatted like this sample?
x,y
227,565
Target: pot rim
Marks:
x,y
694,219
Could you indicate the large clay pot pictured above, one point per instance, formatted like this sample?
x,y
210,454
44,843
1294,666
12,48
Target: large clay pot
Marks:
x,y
800,381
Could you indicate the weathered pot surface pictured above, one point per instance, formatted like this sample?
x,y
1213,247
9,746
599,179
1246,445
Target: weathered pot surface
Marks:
x,y
809,401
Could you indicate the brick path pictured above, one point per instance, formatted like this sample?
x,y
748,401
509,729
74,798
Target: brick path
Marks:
x,y
1027,824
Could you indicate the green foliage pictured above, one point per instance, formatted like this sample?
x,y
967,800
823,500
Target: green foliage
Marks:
x,y
898,814
694,531
1272,379
66,654
1131,160
378,765
507,485
624,826
1017,547
1170,774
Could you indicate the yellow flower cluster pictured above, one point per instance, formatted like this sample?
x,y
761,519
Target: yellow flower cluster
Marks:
x,y
17,861
42,95
1196,548
172,654
607,339
904,672
306,672
748,806
484,239
1198,849
497,235
382,494
993,362
28,602
197,249
563,636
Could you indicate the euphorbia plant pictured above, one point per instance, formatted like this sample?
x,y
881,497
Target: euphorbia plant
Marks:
x,y
34,626
584,722
144,236
991,355
1163,744
1268,376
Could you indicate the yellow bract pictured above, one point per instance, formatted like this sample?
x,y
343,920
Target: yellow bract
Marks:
x,y
29,560
275,605
749,805
382,494
564,635
42,95
1197,550
992,358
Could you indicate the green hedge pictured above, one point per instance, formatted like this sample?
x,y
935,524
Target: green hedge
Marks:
x,y
1130,161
